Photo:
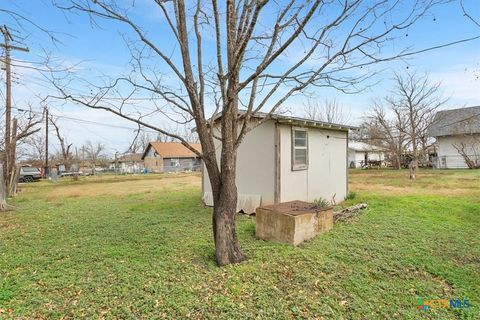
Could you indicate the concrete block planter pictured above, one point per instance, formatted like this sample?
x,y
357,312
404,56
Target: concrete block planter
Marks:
x,y
292,222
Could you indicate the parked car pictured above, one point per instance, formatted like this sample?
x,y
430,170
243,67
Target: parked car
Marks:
x,y
29,174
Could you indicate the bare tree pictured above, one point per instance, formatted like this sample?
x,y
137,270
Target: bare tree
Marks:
x,y
418,100
327,111
470,151
142,138
25,123
94,153
185,133
3,193
139,142
264,52
412,106
387,131
65,147
469,15
35,148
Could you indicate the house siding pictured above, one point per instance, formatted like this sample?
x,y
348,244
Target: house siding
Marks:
x,y
154,164
448,156
358,157
181,164
131,167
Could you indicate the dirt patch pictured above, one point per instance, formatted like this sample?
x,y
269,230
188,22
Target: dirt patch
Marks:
x,y
125,187
429,182
5,225
381,189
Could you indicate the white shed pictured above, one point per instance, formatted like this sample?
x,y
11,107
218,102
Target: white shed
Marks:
x,y
289,158
359,153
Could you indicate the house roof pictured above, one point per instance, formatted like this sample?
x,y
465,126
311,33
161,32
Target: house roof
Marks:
x,y
362,146
172,149
456,121
295,121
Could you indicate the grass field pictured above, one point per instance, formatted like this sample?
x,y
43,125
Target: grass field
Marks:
x,y
141,248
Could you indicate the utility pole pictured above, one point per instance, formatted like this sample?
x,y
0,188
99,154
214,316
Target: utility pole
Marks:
x,y
47,170
8,97
7,37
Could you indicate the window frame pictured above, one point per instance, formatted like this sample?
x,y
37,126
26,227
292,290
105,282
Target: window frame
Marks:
x,y
298,167
175,162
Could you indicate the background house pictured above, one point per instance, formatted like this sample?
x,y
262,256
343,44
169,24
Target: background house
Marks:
x,y
171,157
286,159
457,133
360,153
128,163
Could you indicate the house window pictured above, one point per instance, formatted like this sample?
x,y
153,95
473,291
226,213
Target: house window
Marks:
x,y
174,162
299,149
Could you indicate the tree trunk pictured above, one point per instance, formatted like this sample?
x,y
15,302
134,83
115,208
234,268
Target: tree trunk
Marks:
x,y
227,249
413,169
399,162
224,190
14,182
414,163
3,194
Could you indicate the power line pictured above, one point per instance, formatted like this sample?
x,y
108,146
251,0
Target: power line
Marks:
x,y
88,121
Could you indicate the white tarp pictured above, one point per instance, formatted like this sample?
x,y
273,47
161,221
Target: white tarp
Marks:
x,y
247,203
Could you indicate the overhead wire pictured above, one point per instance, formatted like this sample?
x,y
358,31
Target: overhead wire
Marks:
x,y
87,121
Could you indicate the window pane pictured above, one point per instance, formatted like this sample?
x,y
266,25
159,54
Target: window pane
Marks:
x,y
300,156
300,138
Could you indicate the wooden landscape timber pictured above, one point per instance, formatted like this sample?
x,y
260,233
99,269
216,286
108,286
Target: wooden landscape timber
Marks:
x,y
349,212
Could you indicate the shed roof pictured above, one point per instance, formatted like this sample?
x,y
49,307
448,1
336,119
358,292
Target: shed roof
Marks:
x,y
295,121
362,146
456,122
172,149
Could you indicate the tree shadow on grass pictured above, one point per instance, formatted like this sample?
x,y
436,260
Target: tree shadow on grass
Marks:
x,y
205,259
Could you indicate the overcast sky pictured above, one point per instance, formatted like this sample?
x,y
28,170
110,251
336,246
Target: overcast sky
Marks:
x,y
101,50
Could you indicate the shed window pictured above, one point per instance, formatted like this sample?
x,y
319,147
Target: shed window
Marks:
x,y
299,149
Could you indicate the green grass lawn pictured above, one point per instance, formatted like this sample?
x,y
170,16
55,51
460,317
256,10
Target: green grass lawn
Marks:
x,y
132,248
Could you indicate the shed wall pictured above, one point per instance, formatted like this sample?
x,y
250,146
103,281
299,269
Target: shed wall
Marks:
x,y
255,166
326,176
